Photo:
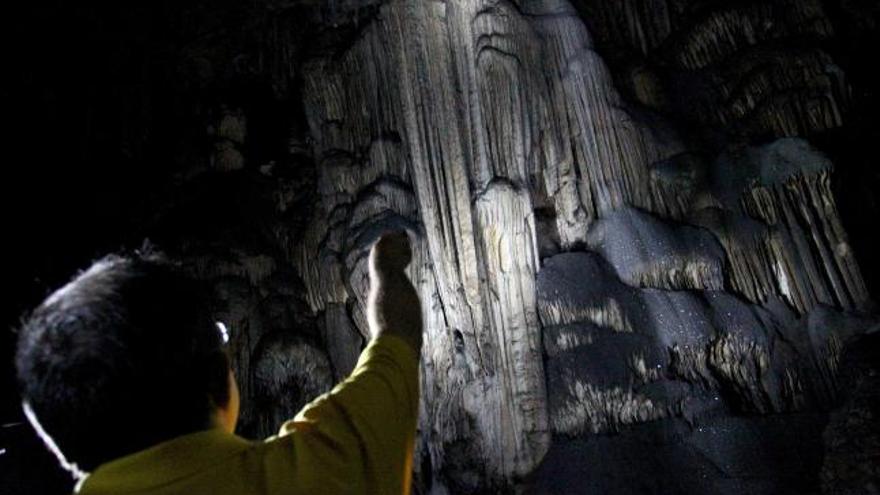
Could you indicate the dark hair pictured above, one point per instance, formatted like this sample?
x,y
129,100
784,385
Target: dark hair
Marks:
x,y
123,357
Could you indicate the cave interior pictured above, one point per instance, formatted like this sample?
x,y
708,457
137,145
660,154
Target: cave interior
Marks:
x,y
643,230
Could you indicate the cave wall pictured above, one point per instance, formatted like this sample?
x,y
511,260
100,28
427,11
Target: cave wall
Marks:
x,y
630,218
586,262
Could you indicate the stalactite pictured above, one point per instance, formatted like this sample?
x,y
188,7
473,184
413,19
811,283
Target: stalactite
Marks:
x,y
646,252
457,122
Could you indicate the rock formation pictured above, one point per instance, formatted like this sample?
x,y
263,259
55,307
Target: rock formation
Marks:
x,y
634,272
581,269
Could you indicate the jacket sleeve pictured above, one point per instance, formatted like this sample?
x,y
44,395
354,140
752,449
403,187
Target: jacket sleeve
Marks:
x,y
360,436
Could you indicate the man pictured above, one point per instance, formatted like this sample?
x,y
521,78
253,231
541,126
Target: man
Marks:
x,y
124,376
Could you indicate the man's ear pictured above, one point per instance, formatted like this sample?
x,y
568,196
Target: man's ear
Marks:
x,y
227,415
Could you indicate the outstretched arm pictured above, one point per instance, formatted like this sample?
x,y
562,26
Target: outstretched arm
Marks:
x,y
360,437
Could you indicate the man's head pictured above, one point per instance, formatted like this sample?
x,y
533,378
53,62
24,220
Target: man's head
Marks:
x,y
123,357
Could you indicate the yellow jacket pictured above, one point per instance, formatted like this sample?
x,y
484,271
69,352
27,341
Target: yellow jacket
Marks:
x,y
358,438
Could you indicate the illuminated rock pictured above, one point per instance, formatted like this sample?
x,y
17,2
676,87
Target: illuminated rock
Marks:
x,y
464,123
626,238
